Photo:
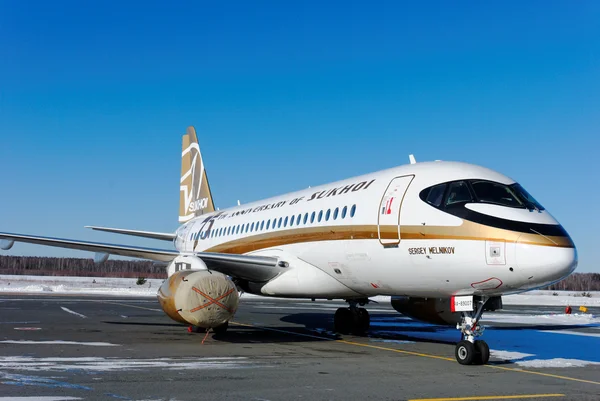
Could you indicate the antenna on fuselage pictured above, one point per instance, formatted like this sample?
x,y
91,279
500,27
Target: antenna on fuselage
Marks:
x,y
238,202
412,159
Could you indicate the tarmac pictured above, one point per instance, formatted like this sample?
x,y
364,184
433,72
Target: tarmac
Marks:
x,y
102,348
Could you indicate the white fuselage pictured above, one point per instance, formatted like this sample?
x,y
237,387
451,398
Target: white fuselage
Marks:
x,y
375,235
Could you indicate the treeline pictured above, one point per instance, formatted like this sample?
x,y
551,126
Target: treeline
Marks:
x,y
578,282
47,266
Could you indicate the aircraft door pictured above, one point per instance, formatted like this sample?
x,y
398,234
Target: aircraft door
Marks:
x,y
388,215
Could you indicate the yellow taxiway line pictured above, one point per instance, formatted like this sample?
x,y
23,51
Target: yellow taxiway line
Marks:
x,y
399,351
491,397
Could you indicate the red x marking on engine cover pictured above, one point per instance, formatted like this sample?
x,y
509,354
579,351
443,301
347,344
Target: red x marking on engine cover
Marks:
x,y
212,300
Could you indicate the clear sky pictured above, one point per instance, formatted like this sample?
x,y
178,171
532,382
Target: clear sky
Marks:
x,y
94,98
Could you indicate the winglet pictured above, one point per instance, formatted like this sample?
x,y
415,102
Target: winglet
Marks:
x,y
195,197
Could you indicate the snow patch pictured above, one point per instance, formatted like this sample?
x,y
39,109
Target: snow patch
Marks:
x,y
99,364
58,342
573,333
508,355
555,363
548,319
73,313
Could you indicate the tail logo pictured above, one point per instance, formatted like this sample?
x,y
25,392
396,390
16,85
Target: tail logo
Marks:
x,y
195,196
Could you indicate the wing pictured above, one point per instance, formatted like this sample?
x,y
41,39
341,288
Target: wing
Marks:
x,y
248,267
162,255
137,233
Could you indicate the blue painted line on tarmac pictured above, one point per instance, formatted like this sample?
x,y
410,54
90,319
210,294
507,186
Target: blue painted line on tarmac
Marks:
x,y
539,340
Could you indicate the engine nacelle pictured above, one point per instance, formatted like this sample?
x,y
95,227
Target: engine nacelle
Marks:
x,y
185,262
428,310
199,297
6,244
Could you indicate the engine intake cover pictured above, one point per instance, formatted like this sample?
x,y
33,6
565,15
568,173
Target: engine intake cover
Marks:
x,y
201,298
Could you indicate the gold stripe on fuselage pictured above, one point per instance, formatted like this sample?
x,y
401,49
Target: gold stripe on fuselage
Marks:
x,y
467,231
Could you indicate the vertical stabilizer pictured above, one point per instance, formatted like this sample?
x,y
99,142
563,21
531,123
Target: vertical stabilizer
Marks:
x,y
195,198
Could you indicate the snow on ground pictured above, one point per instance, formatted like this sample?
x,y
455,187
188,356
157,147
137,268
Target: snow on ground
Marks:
x,y
78,285
101,364
128,287
562,319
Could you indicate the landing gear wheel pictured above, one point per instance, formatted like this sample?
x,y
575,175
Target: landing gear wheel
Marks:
x,y
222,329
483,352
344,321
363,322
465,352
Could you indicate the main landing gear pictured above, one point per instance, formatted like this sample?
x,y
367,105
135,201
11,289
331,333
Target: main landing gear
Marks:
x,y
353,319
470,351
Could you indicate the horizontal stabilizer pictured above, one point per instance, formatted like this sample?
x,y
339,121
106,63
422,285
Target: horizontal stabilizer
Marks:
x,y
137,233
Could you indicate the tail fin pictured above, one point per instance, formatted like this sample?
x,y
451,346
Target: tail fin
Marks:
x,y
195,198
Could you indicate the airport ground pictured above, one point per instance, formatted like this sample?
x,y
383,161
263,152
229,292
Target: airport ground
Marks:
x,y
102,348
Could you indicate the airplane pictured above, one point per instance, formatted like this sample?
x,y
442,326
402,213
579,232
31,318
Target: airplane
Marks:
x,y
445,240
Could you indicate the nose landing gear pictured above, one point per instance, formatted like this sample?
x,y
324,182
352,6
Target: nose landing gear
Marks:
x,y
470,351
353,319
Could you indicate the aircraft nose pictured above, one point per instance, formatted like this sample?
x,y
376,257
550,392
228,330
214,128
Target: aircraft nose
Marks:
x,y
541,265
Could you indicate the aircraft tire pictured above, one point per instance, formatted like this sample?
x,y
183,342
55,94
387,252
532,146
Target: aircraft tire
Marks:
x,y
343,321
465,352
483,352
362,322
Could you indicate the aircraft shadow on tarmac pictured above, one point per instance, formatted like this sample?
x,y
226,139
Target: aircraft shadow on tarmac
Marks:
x,y
238,334
316,327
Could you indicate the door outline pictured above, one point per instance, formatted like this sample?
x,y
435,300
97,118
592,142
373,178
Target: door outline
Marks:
x,y
394,241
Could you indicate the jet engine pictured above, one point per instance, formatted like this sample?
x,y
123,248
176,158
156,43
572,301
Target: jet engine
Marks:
x,y
435,310
200,298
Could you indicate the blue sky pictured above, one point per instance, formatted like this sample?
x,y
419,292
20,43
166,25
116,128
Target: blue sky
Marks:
x,y
94,98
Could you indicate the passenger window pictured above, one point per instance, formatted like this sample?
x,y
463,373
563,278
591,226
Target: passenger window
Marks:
x,y
298,219
268,223
335,213
252,227
458,193
292,221
312,217
285,221
320,216
436,195
353,210
305,218
344,212
493,192
262,225
327,214
279,225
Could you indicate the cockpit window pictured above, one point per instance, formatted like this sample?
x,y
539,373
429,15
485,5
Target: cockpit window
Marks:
x,y
436,195
447,194
458,193
525,196
494,192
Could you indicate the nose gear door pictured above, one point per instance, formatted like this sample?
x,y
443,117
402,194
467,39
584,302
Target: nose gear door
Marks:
x,y
388,216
